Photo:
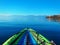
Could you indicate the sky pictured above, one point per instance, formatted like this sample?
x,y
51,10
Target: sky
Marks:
x,y
29,7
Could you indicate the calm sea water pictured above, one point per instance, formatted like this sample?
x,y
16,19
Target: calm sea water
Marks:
x,y
49,29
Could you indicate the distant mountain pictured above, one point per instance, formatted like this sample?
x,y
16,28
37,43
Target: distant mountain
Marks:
x,y
54,17
20,19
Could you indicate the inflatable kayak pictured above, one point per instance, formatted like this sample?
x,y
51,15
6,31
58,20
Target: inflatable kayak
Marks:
x,y
27,37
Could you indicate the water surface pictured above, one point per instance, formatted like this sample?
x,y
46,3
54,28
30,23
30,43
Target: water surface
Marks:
x,y
49,29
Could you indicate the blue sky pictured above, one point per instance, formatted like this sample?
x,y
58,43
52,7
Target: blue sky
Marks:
x,y
29,7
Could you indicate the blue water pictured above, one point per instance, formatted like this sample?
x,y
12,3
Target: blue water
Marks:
x,y
49,29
